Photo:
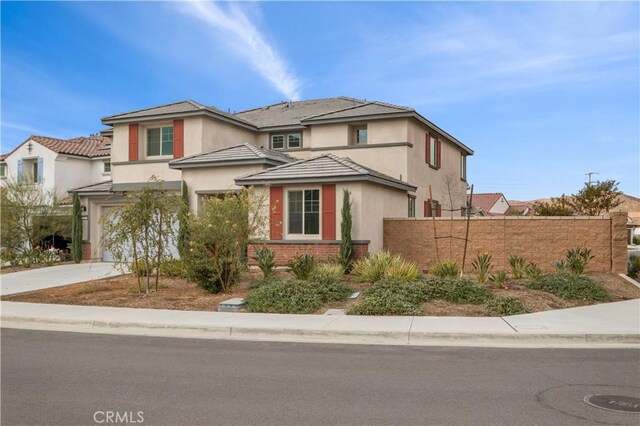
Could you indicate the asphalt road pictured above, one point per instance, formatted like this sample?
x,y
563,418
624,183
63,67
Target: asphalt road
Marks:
x,y
70,378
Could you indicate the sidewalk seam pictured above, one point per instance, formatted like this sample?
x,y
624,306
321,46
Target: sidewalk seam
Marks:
x,y
507,322
410,328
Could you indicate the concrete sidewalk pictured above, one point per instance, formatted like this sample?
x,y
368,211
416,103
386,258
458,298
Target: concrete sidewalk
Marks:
x,y
606,325
54,276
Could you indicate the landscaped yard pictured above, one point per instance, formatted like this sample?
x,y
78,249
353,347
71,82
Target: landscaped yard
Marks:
x,y
180,294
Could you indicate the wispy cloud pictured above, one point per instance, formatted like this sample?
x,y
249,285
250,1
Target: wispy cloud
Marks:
x,y
248,42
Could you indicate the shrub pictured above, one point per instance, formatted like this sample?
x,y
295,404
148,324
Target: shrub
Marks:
x,y
293,296
302,265
173,268
49,257
517,264
498,279
462,291
210,273
330,288
391,296
141,270
633,267
445,269
266,259
327,271
577,259
561,265
636,240
503,306
532,271
570,286
383,264
482,266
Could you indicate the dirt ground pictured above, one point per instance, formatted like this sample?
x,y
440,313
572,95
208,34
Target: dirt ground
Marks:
x,y
179,294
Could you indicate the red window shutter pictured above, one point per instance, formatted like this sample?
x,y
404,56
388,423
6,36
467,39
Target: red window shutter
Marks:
x,y
427,150
427,208
133,142
439,214
275,220
438,153
178,138
328,212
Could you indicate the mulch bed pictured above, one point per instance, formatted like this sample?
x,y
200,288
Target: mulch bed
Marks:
x,y
179,294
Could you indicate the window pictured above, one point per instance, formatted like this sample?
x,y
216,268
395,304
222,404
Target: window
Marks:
x,y
294,140
358,135
432,208
412,207
463,167
160,141
304,212
3,170
106,167
35,173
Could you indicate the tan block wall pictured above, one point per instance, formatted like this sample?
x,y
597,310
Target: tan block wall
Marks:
x,y
542,240
321,251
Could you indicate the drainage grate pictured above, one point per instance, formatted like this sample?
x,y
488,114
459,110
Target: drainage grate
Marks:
x,y
625,404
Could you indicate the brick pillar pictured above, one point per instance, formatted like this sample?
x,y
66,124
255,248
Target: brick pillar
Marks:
x,y
86,250
619,242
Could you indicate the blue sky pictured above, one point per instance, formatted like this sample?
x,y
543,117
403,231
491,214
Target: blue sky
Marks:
x,y
543,92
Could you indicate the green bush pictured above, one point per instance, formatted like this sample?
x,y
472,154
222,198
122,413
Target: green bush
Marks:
x,y
210,274
633,267
445,269
456,290
293,296
517,264
374,267
502,306
391,296
636,240
578,258
327,271
266,259
570,286
532,271
173,268
561,265
482,266
498,279
302,265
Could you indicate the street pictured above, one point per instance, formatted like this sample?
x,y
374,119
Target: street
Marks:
x,y
62,378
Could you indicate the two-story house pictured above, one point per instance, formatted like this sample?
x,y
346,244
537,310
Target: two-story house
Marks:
x,y
58,165
300,155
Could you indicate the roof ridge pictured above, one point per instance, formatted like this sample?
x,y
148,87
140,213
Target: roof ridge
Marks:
x,y
305,100
153,107
393,105
270,169
335,111
346,161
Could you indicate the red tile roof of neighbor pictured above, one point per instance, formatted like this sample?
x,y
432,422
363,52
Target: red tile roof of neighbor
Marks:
x,y
90,147
485,201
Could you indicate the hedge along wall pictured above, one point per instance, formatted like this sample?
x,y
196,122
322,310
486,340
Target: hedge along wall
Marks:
x,y
542,240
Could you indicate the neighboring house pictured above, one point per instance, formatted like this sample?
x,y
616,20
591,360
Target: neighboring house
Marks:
x,y
519,208
58,164
301,155
490,204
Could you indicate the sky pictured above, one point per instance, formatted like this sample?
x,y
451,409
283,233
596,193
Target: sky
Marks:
x,y
543,92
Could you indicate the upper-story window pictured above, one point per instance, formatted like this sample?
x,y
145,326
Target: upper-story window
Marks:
x,y
463,167
3,170
433,151
359,134
160,141
106,167
286,140
411,206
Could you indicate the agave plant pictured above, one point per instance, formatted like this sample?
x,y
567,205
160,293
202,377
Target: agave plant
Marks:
x,y
498,279
482,266
517,264
577,259
446,269
532,271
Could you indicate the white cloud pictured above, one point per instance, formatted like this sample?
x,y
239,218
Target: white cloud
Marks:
x,y
248,42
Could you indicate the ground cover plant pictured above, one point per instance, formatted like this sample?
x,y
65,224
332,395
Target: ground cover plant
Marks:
x,y
570,286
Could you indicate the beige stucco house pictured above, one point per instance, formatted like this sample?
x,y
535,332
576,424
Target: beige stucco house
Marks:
x,y
301,155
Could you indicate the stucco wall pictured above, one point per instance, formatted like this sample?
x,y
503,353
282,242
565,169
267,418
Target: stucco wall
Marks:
x,y
38,150
218,134
542,240
97,170
142,172
71,173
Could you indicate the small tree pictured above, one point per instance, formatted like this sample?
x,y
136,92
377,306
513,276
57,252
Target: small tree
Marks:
x,y
142,231
346,245
597,198
76,230
556,207
183,231
219,238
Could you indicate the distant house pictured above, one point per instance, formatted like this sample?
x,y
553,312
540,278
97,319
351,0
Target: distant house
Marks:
x,y
58,164
490,204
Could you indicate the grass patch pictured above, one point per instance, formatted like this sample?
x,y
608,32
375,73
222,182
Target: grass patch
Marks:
x,y
294,296
504,306
570,287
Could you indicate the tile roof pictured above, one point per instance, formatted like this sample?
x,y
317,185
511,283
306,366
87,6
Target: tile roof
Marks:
x,y
243,153
324,168
366,109
96,187
91,147
484,201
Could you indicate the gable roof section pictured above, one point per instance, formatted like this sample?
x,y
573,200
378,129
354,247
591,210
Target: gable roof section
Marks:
x,y
363,110
175,110
93,188
485,201
233,155
90,147
324,168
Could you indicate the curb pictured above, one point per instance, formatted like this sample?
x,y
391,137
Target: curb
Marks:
x,y
325,336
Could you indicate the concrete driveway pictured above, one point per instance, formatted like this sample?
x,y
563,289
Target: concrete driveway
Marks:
x,y
54,276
